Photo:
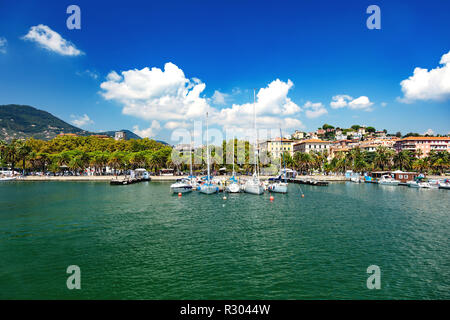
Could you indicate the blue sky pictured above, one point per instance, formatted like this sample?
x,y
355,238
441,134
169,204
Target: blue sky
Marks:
x,y
316,49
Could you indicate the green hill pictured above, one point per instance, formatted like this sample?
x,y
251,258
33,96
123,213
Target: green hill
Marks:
x,y
18,121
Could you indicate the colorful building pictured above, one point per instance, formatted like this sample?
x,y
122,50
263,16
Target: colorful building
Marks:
x,y
423,145
277,146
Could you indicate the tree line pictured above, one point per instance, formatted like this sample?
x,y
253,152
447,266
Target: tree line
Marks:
x,y
78,153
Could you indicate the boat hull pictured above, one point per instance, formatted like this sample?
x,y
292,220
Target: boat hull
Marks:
x,y
181,189
389,183
209,189
278,188
8,179
233,188
254,189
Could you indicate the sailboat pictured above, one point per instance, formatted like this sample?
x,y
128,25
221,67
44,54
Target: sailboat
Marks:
x,y
280,186
253,186
234,186
208,187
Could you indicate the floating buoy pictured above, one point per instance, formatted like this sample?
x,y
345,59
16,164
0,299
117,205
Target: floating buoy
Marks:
x,y
303,195
224,198
179,194
271,198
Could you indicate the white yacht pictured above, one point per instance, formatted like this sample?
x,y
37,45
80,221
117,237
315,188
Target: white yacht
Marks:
x,y
208,187
253,185
445,184
7,178
388,180
181,186
418,184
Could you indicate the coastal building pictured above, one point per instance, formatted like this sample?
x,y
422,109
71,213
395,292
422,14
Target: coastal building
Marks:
x,y
100,136
298,135
312,145
120,135
423,145
276,147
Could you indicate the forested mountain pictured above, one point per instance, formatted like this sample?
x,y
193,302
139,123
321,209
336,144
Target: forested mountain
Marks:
x,y
19,121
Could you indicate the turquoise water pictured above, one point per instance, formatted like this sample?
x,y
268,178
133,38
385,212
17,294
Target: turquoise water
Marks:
x,y
141,242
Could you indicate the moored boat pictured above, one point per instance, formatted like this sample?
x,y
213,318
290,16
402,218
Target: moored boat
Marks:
x,y
444,184
181,186
388,181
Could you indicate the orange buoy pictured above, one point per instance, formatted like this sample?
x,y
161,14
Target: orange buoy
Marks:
x,y
303,195
271,198
179,194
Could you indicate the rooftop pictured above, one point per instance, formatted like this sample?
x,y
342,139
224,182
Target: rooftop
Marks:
x,y
425,138
312,141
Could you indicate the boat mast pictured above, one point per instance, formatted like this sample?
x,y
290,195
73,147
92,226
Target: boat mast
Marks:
x,y
207,146
190,156
256,135
233,156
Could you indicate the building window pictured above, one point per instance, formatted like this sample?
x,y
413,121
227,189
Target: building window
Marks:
x,y
406,176
400,176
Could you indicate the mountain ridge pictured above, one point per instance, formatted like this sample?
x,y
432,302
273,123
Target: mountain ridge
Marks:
x,y
23,121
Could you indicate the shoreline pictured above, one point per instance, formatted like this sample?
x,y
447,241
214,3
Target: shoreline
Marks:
x,y
337,178
158,178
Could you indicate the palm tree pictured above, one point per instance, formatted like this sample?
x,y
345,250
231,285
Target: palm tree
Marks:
x,y
303,161
420,165
43,159
23,151
116,161
402,160
383,157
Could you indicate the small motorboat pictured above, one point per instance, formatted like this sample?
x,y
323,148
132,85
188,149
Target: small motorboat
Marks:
x,y
387,180
355,179
7,178
418,184
445,184
181,186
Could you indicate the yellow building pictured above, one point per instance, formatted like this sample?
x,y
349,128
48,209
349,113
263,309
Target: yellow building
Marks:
x,y
277,146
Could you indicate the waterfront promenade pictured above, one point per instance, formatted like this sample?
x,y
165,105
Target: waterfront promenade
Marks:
x,y
160,178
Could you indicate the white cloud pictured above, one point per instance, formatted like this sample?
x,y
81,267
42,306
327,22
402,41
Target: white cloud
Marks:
x,y
89,73
176,124
314,110
429,132
340,101
343,100
383,104
149,132
272,106
361,103
168,96
428,85
156,94
81,121
3,44
51,40
220,98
